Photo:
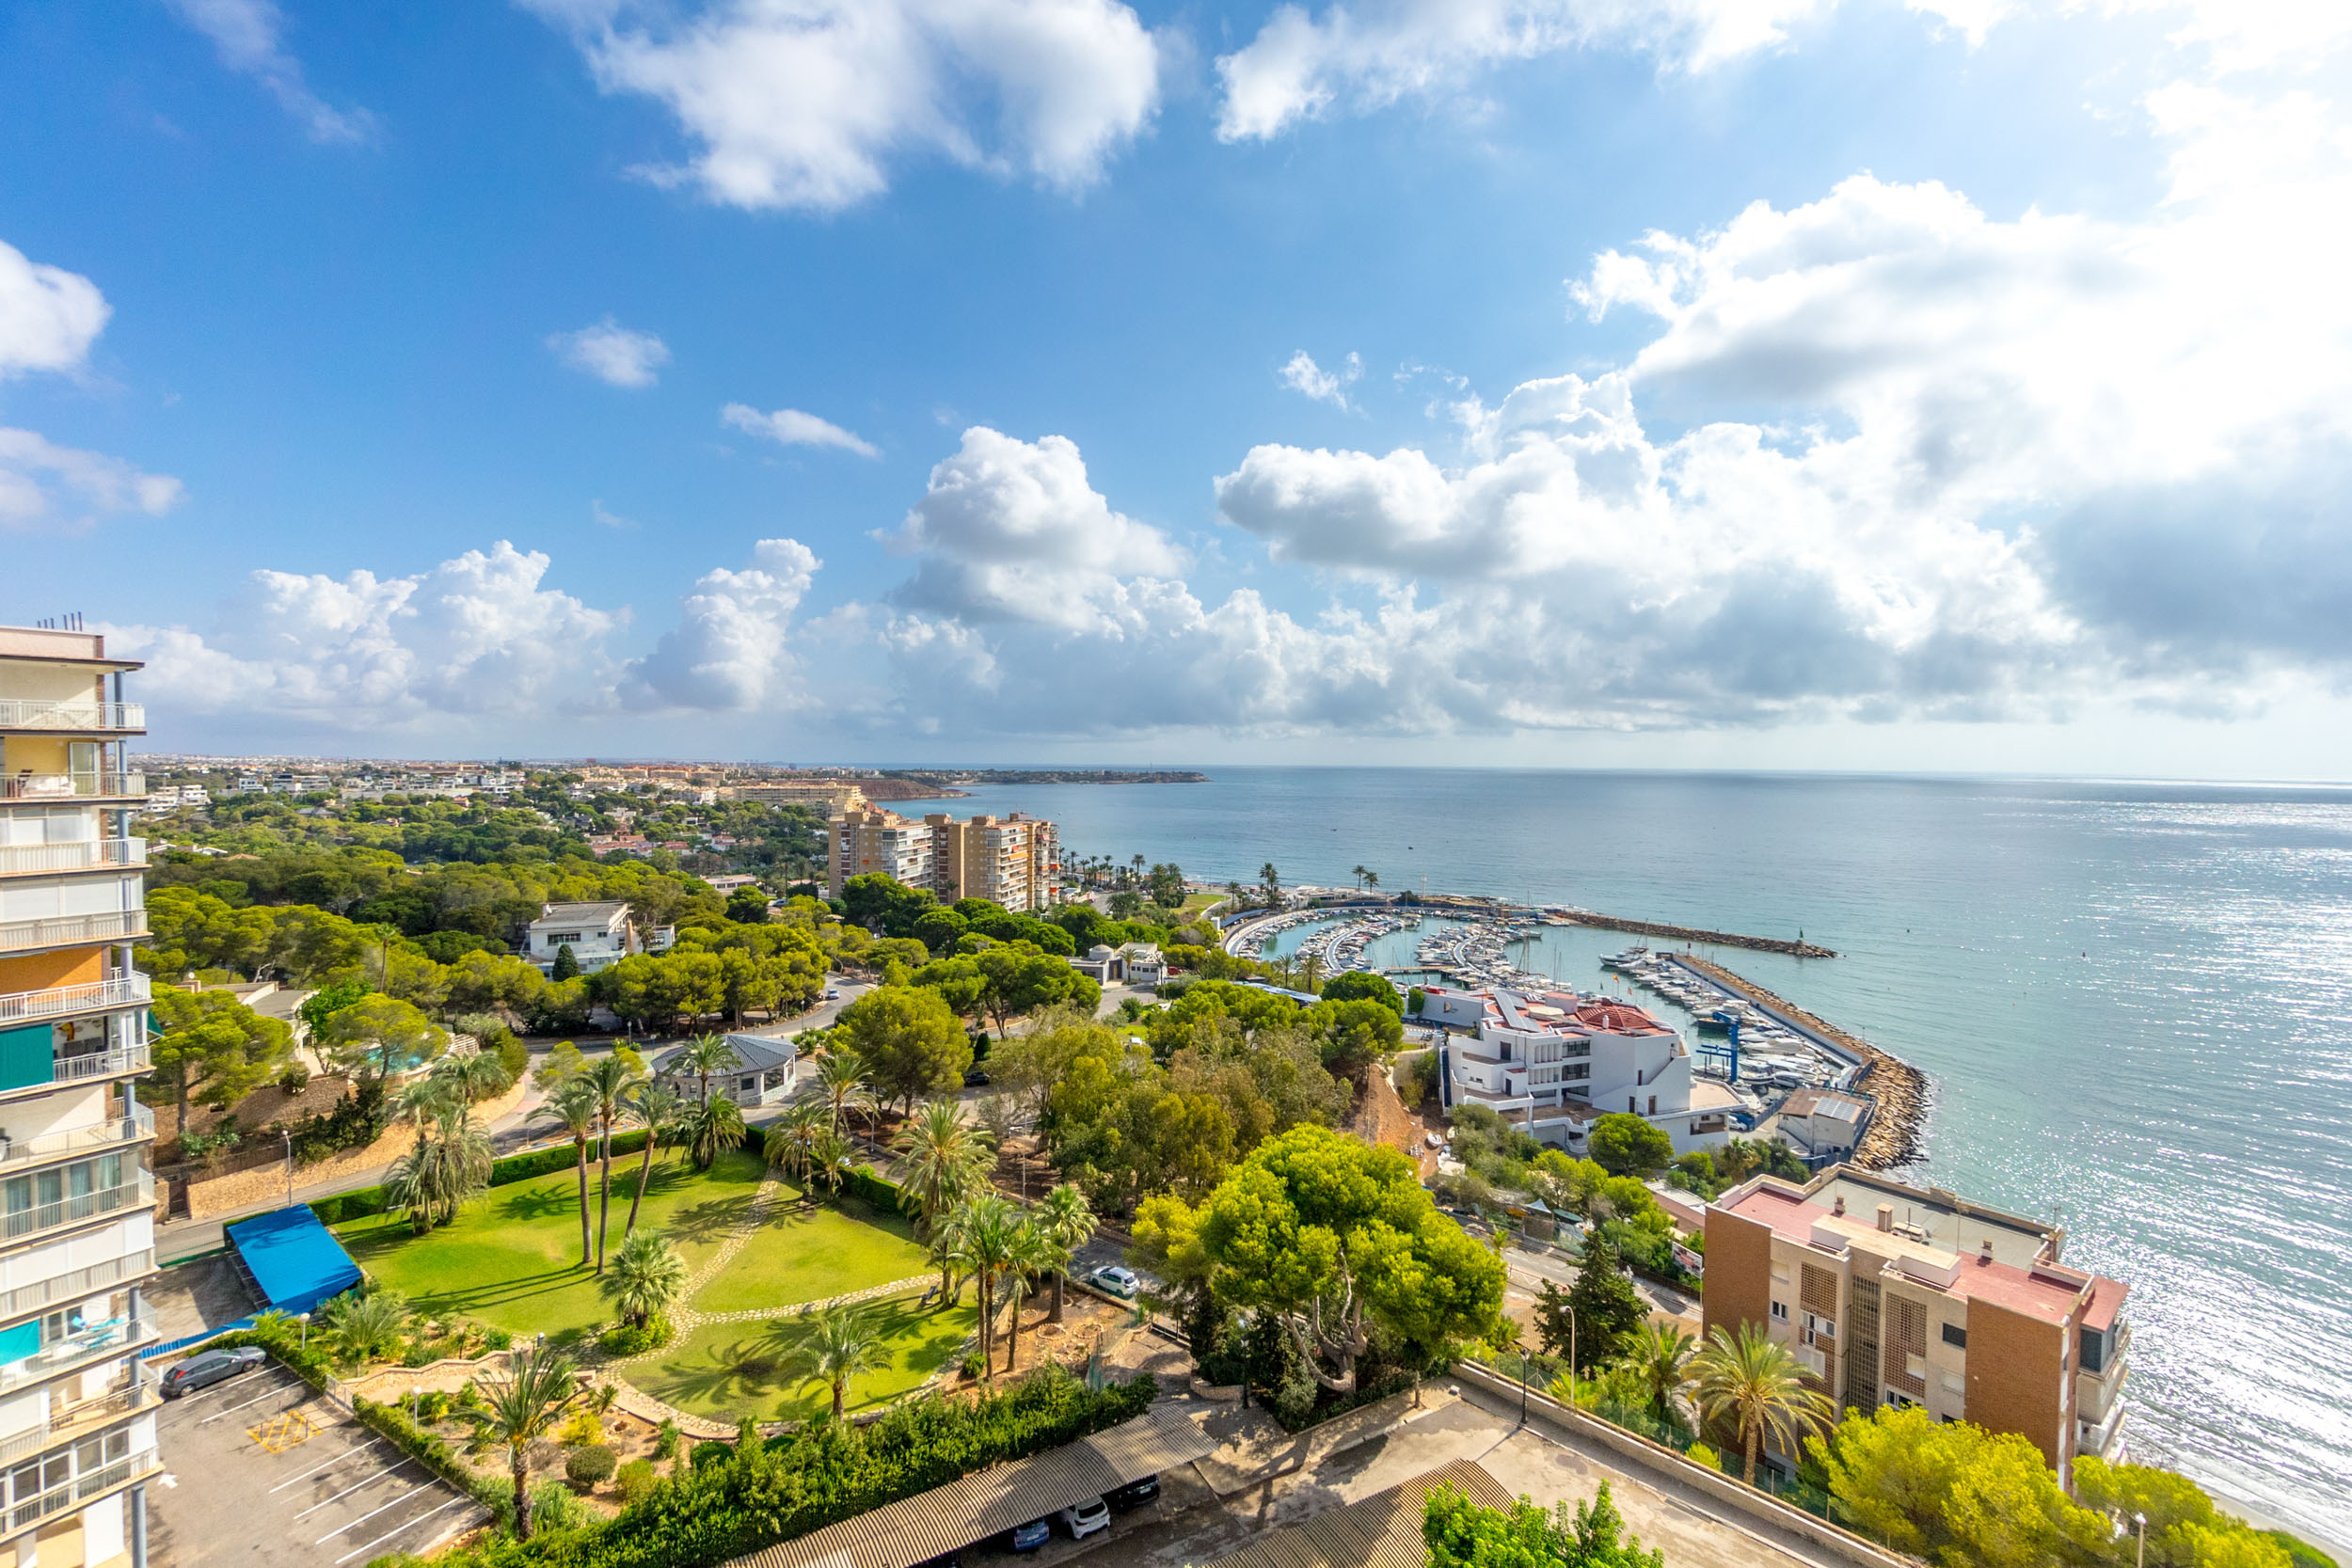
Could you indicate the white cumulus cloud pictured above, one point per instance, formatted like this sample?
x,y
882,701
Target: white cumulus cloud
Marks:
x,y
49,317
612,353
1302,375
789,427
809,103
41,483
732,650
246,34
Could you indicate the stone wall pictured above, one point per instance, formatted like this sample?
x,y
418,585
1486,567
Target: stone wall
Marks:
x,y
267,1186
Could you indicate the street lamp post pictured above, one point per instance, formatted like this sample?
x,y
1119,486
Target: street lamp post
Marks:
x,y
2141,1557
304,1318
287,1133
1522,1385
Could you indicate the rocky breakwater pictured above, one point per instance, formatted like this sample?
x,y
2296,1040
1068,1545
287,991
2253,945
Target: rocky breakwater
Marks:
x,y
1898,1128
1692,934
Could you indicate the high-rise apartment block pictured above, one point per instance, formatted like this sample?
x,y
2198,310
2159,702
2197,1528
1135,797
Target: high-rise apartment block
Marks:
x,y
1891,1294
1014,860
77,1425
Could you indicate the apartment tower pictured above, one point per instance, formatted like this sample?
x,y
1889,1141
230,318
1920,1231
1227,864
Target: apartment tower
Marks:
x,y
1014,860
1892,1295
77,1424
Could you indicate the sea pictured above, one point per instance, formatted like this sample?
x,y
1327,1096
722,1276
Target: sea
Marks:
x,y
2132,999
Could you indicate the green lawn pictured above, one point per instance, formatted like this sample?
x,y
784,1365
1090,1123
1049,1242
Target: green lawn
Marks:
x,y
512,1257
808,1254
726,1371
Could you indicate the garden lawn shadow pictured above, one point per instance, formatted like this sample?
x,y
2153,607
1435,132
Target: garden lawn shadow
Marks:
x,y
511,1258
728,1371
813,1253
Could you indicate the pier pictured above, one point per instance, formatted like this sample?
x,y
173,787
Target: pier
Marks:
x,y
1690,934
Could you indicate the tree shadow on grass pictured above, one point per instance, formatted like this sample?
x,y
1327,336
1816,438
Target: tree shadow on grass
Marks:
x,y
528,1203
714,1219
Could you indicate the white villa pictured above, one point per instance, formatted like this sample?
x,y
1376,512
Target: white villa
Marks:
x,y
598,934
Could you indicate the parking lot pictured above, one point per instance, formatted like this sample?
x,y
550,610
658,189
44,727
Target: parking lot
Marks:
x,y
265,1470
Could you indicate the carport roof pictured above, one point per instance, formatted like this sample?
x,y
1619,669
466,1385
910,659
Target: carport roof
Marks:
x,y
1380,1532
951,1517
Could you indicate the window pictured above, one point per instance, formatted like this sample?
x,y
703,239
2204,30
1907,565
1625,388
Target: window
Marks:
x,y
1825,1327
2094,1351
1780,1311
1956,1336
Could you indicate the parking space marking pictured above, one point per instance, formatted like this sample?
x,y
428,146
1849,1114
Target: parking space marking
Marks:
x,y
349,1490
283,1430
277,1392
356,1448
373,1511
388,1535
227,1386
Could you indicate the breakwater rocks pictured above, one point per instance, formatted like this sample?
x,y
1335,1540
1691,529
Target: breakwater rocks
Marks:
x,y
1898,1132
1686,933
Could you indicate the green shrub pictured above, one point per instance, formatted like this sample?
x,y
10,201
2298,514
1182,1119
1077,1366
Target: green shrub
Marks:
x,y
590,1464
420,1352
556,1507
704,1455
497,1338
634,1481
433,1406
625,1340
1699,1453
294,1079
975,1365
665,1439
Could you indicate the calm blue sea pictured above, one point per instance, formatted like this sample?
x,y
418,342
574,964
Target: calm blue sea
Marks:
x,y
2132,998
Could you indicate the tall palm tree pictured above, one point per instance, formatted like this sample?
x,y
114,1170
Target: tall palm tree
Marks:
x,y
792,1138
710,1128
573,1107
520,1408
614,1078
456,1166
829,1156
1371,879
843,1340
420,1100
1359,874
1310,971
941,1156
946,1251
1661,1353
1033,1254
990,1230
653,1106
841,1078
706,1056
1067,1219
648,1274
1753,1381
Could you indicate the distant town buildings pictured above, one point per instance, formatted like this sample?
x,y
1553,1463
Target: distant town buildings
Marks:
x,y
77,1410
1554,1062
1014,860
831,796
1891,1294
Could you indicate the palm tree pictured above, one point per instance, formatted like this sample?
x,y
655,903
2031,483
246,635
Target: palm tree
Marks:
x,y
710,1128
941,1156
420,1100
573,1106
946,1251
990,1230
457,1165
793,1137
519,1409
1753,1381
477,1075
653,1107
829,1158
647,1276
1310,971
1661,1353
1033,1254
1371,879
841,1078
364,1326
615,1079
706,1056
1067,1219
1360,874
843,1340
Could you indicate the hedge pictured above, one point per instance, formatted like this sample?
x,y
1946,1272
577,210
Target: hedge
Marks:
x,y
514,1167
824,1472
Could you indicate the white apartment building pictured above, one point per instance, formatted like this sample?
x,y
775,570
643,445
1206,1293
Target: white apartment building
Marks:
x,y
1554,1062
77,1422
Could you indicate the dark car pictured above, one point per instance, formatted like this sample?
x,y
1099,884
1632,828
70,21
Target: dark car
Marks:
x,y
975,1079
1029,1537
206,1367
1135,1491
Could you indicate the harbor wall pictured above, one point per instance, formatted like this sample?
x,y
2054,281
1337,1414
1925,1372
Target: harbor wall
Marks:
x,y
1687,933
1898,1132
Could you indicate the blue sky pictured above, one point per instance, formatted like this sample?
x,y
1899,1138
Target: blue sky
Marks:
x,y
1614,381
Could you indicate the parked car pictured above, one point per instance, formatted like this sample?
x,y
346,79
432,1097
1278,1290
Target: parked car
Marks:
x,y
206,1367
1135,1491
1029,1537
975,1079
1119,1282
1082,1519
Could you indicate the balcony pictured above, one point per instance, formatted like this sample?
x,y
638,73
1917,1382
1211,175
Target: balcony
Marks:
x,y
76,1284
78,1421
128,1060
90,854
27,1511
115,1337
74,786
80,1208
138,1125
2098,1439
40,715
67,931
129,990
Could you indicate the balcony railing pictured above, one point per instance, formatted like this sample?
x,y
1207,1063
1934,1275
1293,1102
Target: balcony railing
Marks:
x,y
128,991
58,931
114,1337
139,1124
24,1513
101,1064
76,1285
80,1206
33,713
78,1421
89,854
67,787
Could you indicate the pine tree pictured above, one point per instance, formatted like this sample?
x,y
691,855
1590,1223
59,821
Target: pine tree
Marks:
x,y
1608,1309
